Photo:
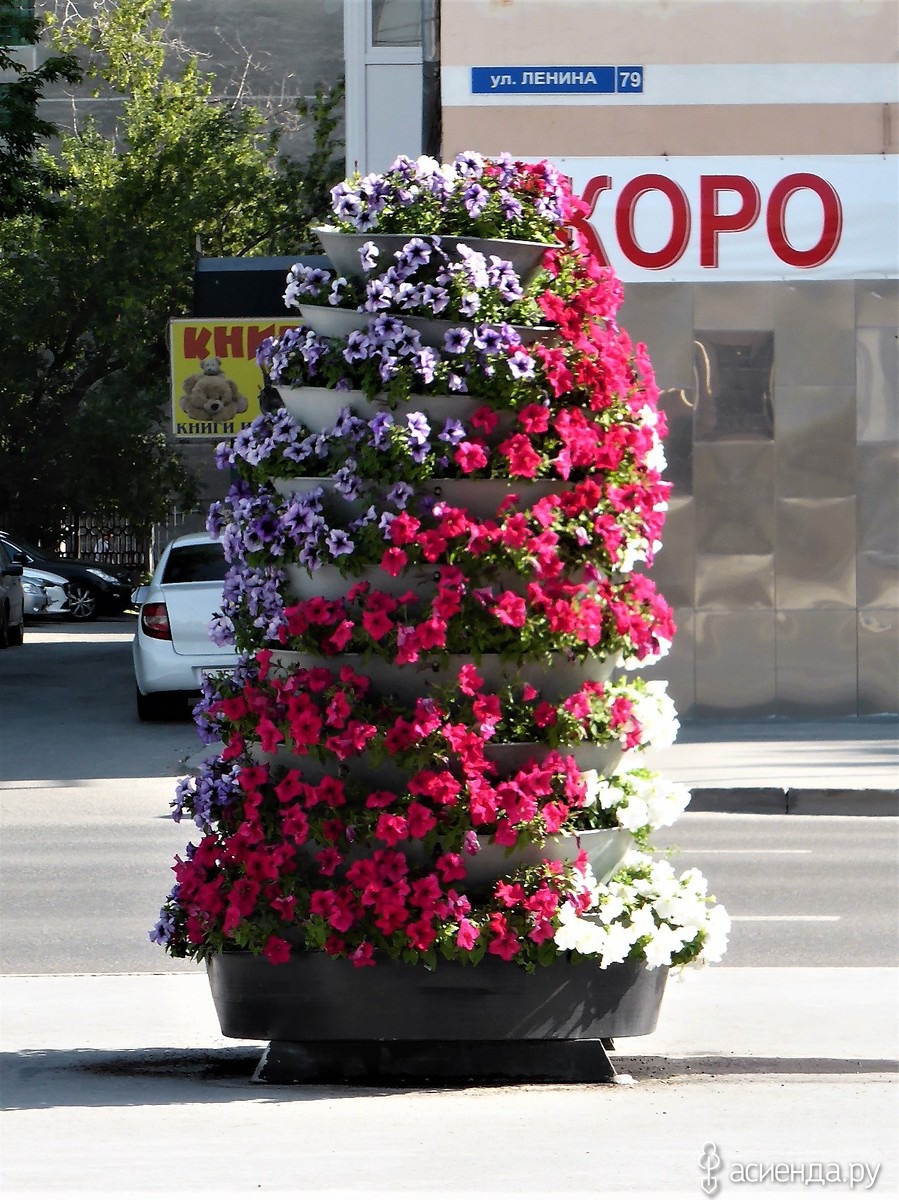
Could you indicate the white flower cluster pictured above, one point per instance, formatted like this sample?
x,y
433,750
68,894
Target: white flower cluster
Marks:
x,y
640,799
652,712
650,904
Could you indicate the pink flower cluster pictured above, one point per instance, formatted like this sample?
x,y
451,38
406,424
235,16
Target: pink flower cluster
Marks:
x,y
605,618
357,818
241,876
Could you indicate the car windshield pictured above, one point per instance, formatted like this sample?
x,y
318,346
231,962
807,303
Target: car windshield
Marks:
x,y
202,563
20,547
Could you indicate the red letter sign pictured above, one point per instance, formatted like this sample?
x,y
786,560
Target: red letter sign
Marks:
x,y
712,222
653,260
833,220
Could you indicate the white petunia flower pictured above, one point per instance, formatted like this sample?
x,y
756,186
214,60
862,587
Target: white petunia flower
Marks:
x,y
633,814
666,943
618,943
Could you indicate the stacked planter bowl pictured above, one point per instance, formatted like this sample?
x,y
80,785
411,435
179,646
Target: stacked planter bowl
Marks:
x,y
444,1019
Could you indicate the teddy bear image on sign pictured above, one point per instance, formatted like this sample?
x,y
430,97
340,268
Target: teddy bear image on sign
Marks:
x,y
209,395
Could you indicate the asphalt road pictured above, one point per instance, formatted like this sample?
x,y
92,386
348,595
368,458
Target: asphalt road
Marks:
x,y
87,844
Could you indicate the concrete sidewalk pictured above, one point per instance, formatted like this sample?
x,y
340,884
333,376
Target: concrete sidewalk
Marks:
x,y
840,765
123,1085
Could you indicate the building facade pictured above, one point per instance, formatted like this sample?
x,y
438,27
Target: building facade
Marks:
x,y
740,160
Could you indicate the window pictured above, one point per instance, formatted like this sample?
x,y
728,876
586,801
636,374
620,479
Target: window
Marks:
x,y
12,32
396,22
734,395
203,563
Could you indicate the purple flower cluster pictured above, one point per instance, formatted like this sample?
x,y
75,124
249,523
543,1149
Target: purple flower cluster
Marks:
x,y
472,195
424,280
205,795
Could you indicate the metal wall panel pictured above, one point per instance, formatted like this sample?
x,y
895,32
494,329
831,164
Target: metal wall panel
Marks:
x,y
878,526
731,582
878,384
678,405
814,325
815,439
674,568
816,663
733,485
734,305
735,673
678,668
878,661
661,315
815,554
791,538
877,302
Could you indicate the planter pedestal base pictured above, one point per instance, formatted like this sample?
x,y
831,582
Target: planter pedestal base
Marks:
x,y
400,1063
326,1021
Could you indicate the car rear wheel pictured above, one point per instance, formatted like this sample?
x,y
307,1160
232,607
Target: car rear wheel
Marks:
x,y
158,706
82,602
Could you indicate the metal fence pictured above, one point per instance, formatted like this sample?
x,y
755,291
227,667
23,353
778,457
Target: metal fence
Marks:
x,y
109,538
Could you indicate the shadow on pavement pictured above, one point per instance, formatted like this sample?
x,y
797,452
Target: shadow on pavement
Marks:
x,y
46,1079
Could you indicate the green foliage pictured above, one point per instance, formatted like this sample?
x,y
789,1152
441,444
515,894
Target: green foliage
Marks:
x,y
85,299
26,185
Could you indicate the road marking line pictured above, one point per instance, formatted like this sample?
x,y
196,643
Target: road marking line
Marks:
x,y
788,918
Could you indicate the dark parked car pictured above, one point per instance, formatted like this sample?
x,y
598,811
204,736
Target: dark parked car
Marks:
x,y
95,589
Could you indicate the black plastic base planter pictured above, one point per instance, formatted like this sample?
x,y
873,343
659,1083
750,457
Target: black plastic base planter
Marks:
x,y
410,1063
329,1021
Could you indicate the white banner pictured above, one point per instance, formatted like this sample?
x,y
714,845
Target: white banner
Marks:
x,y
722,219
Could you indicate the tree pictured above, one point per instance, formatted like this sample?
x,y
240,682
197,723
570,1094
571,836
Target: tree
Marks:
x,y
85,299
26,185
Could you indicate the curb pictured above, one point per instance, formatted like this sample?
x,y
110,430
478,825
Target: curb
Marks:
x,y
767,801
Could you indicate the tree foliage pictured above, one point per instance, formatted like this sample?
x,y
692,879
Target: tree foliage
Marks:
x,y
85,298
26,185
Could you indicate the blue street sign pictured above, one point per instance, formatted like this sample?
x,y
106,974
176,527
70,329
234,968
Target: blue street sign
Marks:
x,y
604,81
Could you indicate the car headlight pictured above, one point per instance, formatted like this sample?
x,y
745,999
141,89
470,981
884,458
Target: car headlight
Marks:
x,y
32,588
104,575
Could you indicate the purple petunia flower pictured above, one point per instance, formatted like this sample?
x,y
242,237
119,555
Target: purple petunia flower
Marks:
x,y
339,542
400,494
469,164
416,253
521,365
488,339
453,431
380,426
378,295
434,298
455,341
418,428
426,361
475,199
368,256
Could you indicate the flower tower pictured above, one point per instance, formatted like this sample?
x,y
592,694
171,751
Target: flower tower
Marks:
x,y
425,818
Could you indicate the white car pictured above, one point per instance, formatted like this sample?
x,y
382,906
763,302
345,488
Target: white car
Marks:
x,y
54,587
12,602
172,649
35,598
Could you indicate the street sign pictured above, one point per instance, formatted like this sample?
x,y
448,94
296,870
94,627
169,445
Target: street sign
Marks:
x,y
571,80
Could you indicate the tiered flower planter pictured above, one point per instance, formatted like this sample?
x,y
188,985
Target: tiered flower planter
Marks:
x,y
429,763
